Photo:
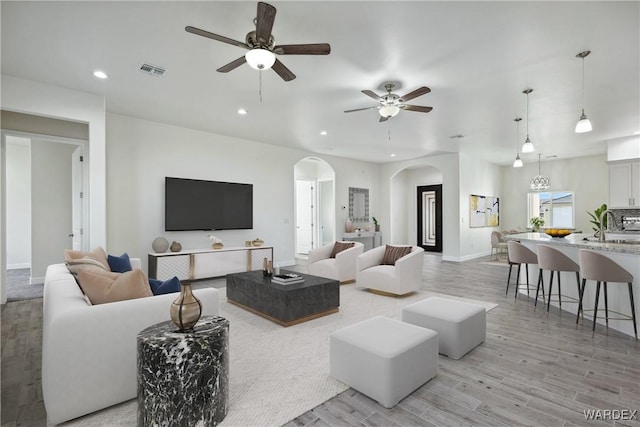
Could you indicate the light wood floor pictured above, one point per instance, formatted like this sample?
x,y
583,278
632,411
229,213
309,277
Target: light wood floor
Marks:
x,y
533,369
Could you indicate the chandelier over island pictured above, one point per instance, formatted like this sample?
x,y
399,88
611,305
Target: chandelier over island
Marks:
x,y
539,182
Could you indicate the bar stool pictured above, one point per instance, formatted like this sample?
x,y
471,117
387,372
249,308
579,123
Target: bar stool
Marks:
x,y
596,266
550,258
519,254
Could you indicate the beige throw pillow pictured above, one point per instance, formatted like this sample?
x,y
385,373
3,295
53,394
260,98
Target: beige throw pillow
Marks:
x,y
98,254
394,253
339,247
104,286
76,265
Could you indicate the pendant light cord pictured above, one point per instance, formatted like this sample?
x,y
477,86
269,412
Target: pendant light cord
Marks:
x,y
260,85
583,85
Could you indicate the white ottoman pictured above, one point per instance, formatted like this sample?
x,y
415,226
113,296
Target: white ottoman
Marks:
x,y
383,358
461,326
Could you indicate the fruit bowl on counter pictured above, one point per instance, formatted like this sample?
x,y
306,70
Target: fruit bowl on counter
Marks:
x,y
557,232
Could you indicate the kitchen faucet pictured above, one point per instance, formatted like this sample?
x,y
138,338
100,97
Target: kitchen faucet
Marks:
x,y
601,219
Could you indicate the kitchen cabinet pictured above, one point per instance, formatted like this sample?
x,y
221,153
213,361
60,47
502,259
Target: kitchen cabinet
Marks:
x,y
624,184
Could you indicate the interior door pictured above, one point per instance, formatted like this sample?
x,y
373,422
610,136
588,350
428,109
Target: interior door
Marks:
x,y
304,216
77,196
430,217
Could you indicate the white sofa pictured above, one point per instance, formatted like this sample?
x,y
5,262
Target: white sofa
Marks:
x,y
399,279
341,268
89,353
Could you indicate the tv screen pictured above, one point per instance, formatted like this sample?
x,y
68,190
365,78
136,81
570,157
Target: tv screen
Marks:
x,y
192,204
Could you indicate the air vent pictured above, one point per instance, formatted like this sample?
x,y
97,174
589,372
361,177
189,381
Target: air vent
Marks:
x,y
152,70
458,136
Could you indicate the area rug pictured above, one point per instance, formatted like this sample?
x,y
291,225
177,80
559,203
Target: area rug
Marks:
x,y
504,263
277,373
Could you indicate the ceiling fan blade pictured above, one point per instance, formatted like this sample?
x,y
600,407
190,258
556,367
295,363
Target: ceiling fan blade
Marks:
x,y
416,93
232,65
361,109
303,49
264,22
372,94
417,108
383,119
207,34
283,71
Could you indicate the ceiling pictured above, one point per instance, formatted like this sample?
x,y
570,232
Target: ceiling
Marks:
x,y
477,57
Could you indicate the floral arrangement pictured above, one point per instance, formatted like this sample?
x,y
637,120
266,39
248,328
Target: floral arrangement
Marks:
x,y
536,222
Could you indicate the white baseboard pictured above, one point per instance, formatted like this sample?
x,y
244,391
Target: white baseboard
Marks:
x,y
466,257
20,265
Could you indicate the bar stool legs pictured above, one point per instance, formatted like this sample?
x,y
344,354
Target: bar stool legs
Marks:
x,y
541,283
599,268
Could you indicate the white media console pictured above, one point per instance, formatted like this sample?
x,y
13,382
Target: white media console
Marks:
x,y
207,263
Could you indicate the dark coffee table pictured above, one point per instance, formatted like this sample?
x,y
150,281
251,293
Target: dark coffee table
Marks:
x,y
285,305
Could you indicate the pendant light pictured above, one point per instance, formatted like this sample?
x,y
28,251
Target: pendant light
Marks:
x,y
527,147
539,182
517,163
583,125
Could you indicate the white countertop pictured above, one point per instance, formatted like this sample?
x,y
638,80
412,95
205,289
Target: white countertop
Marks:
x,y
577,241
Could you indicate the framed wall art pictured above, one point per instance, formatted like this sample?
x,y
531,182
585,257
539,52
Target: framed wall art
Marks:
x,y
484,211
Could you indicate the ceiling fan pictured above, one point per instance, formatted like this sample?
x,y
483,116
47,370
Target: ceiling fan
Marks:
x,y
391,104
261,45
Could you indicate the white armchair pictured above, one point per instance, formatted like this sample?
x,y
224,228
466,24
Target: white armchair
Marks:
x,y
400,279
341,268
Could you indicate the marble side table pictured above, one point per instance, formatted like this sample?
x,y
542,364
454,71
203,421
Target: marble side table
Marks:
x,y
183,377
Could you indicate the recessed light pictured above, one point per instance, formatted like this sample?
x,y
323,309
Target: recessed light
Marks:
x,y
392,155
100,74
324,132
242,111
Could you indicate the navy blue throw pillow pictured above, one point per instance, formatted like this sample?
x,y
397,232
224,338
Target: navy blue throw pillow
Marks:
x,y
119,264
158,287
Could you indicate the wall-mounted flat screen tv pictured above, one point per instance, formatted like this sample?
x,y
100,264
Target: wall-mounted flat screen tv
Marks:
x,y
192,204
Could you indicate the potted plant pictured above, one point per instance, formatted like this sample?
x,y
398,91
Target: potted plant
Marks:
x,y
536,223
595,219
375,223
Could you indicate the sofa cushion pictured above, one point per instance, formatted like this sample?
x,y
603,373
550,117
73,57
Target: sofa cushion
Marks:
x,y
119,264
159,287
339,247
104,286
394,253
97,254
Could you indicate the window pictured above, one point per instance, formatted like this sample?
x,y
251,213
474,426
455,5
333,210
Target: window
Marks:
x,y
555,208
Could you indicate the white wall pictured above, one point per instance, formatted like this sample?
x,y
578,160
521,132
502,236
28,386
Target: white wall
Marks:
x,y
405,203
587,177
50,204
481,178
141,153
31,97
448,164
18,199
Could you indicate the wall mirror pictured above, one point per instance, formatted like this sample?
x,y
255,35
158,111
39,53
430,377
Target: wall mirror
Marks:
x,y
359,204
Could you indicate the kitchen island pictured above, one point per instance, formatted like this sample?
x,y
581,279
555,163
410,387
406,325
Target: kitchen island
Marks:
x,y
625,254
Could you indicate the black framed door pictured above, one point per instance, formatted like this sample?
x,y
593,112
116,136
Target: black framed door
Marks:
x,y
430,217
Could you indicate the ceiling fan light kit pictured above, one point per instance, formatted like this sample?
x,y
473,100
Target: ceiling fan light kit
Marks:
x,y
260,59
261,46
583,125
391,104
389,111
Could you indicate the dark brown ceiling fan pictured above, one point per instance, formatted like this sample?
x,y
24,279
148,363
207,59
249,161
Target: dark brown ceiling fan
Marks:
x,y
261,45
391,104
